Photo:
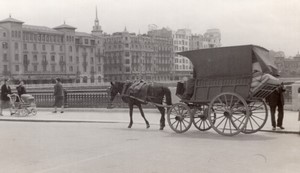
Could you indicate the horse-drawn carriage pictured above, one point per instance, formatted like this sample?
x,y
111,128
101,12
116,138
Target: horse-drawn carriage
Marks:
x,y
222,96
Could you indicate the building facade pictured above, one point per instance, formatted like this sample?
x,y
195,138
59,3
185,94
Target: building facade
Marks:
x,y
184,40
132,57
39,54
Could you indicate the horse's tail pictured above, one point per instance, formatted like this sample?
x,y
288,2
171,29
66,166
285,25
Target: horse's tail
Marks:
x,y
168,95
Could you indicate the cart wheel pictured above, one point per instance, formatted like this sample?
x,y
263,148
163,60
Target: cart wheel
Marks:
x,y
200,119
231,114
179,117
258,116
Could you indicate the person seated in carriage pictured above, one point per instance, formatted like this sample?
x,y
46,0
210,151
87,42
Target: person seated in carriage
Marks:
x,y
259,78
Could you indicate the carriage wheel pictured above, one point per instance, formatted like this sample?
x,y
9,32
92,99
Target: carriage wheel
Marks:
x,y
258,116
200,119
179,117
231,114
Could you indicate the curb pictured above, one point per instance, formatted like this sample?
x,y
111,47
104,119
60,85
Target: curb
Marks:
x,y
115,122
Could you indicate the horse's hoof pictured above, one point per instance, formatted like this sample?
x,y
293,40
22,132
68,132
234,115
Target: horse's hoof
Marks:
x,y
161,128
148,126
129,126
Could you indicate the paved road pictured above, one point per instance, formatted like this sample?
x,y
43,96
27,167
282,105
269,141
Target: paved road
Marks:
x,y
81,147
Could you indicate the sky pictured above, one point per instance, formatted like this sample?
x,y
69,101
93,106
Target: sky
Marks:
x,y
272,24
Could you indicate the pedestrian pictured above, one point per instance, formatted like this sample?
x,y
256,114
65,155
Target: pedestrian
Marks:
x,y
21,90
276,100
58,96
5,100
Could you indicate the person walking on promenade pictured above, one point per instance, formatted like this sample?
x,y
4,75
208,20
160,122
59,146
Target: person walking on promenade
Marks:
x,y
20,89
5,100
276,99
58,96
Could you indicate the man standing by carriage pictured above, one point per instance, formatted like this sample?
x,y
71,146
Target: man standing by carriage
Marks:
x,y
276,100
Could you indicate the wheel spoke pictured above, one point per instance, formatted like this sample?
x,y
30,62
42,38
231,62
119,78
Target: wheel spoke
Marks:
x,y
221,122
225,125
258,117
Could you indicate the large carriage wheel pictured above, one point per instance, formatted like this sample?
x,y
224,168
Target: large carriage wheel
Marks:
x,y
258,116
180,117
200,119
232,114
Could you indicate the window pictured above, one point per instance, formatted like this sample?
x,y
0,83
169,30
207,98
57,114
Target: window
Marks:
x,y
71,59
16,46
60,48
127,61
5,68
16,57
44,47
4,34
52,47
34,46
126,54
70,48
34,57
5,45
71,68
92,60
4,57
35,68
127,69
86,41
53,58
44,58
17,68
77,59
25,46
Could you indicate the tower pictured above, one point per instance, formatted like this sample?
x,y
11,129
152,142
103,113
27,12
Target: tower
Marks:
x,y
97,28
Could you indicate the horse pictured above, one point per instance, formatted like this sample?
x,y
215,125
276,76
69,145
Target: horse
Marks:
x,y
155,94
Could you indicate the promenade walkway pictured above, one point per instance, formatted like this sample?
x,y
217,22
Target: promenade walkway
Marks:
x,y
117,115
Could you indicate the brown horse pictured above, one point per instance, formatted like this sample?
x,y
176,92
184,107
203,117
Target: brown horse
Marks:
x,y
155,94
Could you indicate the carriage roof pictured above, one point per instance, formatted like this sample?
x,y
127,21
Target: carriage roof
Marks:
x,y
231,61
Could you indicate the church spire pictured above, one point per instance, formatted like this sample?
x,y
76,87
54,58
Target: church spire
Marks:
x,y
97,28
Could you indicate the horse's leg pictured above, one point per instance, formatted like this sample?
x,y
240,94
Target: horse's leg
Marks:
x,y
162,118
142,114
130,114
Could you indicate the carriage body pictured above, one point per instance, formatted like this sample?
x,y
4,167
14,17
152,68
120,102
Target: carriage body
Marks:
x,y
223,78
228,69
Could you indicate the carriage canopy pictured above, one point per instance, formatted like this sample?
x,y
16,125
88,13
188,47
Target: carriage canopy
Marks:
x,y
235,61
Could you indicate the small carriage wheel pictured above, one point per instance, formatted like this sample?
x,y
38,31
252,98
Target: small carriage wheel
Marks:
x,y
200,119
258,116
231,114
179,117
23,112
33,111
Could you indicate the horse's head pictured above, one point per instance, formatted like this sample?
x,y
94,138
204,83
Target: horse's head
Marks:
x,y
115,88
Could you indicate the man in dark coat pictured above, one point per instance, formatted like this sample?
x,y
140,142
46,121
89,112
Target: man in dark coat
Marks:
x,y
276,99
58,96
5,100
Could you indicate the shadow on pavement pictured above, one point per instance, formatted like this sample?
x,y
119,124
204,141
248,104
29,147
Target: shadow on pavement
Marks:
x,y
215,136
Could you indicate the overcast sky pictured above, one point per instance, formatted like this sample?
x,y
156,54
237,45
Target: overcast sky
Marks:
x,y
273,24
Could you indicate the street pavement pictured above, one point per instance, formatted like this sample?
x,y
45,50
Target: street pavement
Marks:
x,y
118,115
